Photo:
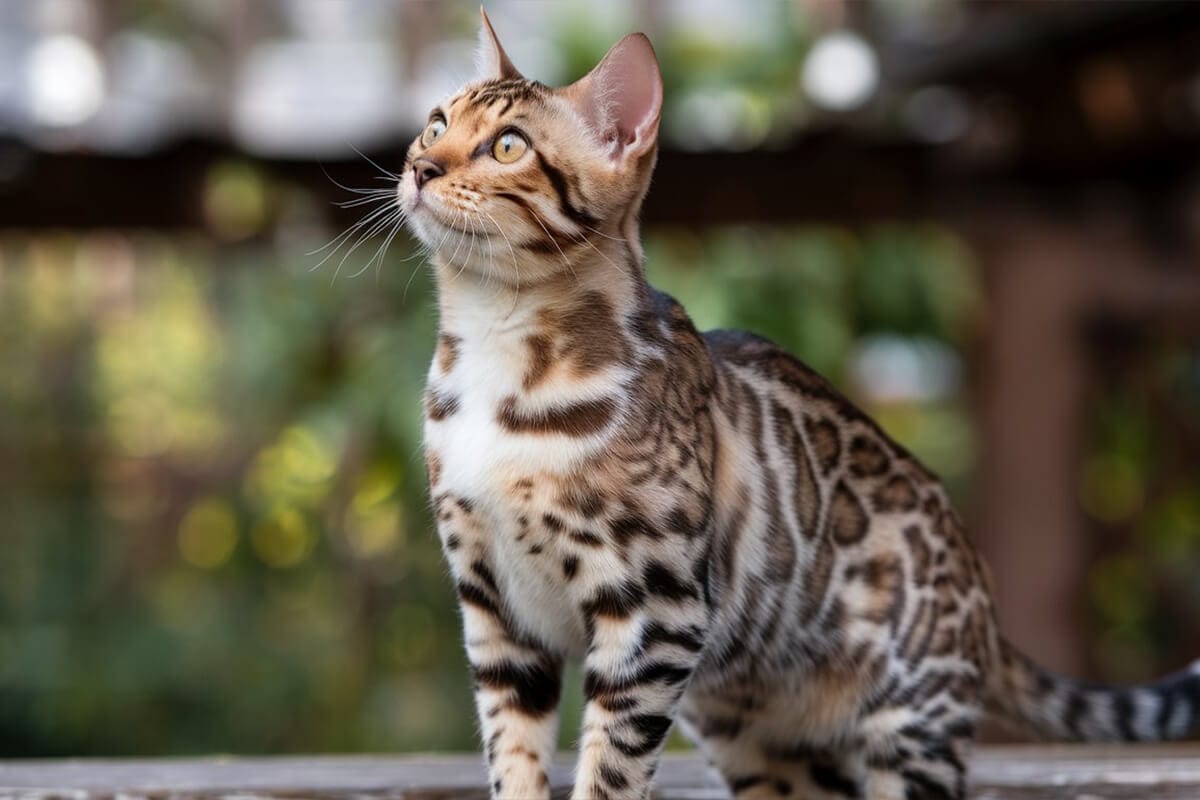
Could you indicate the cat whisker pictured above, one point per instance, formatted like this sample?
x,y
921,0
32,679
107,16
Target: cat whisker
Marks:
x,y
513,254
363,228
462,235
429,253
605,235
352,189
380,252
471,251
566,262
484,233
387,243
583,238
397,214
375,164
378,195
367,218
482,229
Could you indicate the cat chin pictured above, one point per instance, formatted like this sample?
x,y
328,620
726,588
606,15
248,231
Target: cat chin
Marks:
x,y
451,245
419,229
423,222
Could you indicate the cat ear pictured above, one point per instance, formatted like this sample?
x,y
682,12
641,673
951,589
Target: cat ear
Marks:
x,y
621,98
491,62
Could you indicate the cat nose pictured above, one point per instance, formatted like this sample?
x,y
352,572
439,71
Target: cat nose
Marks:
x,y
425,169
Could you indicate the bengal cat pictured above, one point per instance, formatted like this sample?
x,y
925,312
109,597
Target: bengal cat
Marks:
x,y
721,537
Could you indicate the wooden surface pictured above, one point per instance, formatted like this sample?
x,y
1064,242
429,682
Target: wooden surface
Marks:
x,y
998,773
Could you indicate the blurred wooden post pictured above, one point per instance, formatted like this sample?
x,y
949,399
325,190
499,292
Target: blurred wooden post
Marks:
x,y
1049,279
1033,402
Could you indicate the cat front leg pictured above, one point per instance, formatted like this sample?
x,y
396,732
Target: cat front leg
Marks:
x,y
516,695
517,681
517,688
645,644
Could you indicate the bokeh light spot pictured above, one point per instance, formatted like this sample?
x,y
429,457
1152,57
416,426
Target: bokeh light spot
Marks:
x,y
66,81
376,486
235,201
208,533
284,539
1110,488
294,470
375,530
841,71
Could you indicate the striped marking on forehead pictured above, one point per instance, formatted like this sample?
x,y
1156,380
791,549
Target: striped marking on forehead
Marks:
x,y
505,93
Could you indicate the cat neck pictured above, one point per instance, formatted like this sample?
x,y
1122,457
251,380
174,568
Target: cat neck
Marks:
x,y
472,305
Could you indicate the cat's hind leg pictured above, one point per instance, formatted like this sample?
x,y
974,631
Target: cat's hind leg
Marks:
x,y
720,724
919,758
754,764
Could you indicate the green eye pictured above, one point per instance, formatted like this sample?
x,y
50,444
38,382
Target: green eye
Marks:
x,y
433,131
509,146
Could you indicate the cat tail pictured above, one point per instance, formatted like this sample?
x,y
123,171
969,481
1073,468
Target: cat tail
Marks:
x,y
1057,708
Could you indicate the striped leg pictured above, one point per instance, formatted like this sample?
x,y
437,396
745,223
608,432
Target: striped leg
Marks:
x,y
816,773
916,740
717,722
723,725
636,669
920,762
517,682
517,688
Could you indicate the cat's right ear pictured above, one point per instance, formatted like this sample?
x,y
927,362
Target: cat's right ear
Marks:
x,y
491,62
621,99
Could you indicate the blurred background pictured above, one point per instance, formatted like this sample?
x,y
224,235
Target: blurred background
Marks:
x,y
980,219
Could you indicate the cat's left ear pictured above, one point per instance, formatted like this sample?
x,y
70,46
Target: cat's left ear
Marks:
x,y
621,98
491,62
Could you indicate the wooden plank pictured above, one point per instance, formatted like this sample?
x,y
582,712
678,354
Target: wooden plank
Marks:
x,y
1162,772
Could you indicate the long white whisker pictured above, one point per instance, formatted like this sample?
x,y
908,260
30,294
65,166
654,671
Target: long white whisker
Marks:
x,y
552,240
461,238
377,196
466,220
338,241
605,235
429,253
373,163
351,189
482,230
491,250
513,254
398,213
375,229
387,243
585,240
381,251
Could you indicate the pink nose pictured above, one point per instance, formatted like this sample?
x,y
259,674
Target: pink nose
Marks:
x,y
425,169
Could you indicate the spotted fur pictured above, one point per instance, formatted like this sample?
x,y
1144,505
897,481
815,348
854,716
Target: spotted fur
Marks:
x,y
722,539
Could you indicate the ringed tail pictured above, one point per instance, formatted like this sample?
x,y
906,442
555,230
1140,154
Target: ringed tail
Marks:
x,y
1062,709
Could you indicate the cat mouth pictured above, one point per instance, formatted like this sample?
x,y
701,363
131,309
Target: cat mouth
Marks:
x,y
430,208
438,216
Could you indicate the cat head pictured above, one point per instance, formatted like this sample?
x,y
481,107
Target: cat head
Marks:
x,y
519,181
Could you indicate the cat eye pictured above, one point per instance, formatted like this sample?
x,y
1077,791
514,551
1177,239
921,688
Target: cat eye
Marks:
x,y
433,131
509,146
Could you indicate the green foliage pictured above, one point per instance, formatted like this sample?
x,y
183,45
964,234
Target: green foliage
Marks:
x,y
1138,486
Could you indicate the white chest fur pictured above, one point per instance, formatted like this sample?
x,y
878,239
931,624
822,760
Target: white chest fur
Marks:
x,y
509,477
480,457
